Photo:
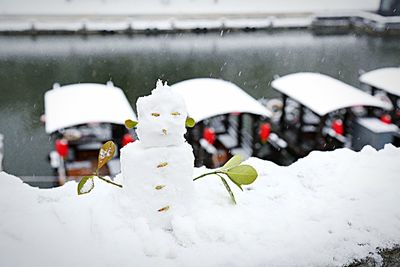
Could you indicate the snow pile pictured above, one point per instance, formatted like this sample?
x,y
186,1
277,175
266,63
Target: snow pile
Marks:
x,y
324,210
158,168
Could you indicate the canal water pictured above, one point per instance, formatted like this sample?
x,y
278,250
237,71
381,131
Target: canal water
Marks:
x,y
30,65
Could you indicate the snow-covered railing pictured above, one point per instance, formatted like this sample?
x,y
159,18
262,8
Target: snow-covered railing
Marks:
x,y
88,25
123,24
359,19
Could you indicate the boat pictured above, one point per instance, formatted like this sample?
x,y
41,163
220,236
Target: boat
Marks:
x,y
322,113
228,122
385,83
80,118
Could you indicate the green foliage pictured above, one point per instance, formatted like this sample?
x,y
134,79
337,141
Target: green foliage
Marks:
x,y
232,162
242,174
106,153
130,124
228,188
190,122
237,173
85,185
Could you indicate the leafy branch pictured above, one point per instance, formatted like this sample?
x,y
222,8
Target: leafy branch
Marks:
x,y
106,153
239,174
130,124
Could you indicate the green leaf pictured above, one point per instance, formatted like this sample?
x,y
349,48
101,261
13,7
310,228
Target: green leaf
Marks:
x,y
242,174
190,122
130,124
238,185
86,184
106,153
232,162
228,189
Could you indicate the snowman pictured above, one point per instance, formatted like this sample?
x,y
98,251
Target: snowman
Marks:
x,y
158,168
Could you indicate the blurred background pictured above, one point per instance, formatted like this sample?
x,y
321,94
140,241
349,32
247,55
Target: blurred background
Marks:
x,y
133,43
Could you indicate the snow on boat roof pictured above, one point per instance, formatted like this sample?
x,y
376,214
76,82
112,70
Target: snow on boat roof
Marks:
x,y
323,94
387,79
76,104
206,97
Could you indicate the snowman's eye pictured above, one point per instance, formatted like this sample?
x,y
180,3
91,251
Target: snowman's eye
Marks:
x,y
176,113
155,114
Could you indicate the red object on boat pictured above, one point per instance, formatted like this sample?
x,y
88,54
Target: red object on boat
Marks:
x,y
386,118
337,126
265,130
209,135
127,138
62,147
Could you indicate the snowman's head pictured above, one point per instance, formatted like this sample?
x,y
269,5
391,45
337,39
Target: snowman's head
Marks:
x,y
161,117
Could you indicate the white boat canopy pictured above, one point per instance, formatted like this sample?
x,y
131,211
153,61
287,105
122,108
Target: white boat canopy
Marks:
x,y
387,79
206,97
323,94
76,104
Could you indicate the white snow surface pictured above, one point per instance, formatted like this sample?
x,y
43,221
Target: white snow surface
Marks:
x,y
141,177
208,92
324,210
161,117
323,94
387,79
158,168
102,103
377,126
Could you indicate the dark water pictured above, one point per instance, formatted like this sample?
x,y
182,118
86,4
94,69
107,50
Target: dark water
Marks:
x,y
29,67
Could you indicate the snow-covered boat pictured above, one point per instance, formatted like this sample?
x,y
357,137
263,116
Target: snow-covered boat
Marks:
x,y
80,118
228,122
322,113
385,83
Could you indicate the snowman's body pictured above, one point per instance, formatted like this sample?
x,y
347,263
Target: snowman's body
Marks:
x,y
158,168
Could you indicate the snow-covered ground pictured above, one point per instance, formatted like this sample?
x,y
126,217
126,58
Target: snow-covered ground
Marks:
x,y
324,210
